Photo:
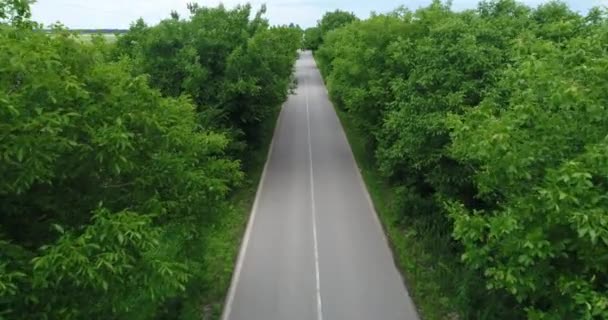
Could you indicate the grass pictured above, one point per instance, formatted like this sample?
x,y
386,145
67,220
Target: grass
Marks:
x,y
87,37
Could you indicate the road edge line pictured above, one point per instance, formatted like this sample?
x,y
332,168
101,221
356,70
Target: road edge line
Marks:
x,y
370,202
314,213
245,243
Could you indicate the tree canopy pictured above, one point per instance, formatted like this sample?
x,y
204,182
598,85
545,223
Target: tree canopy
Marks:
x,y
314,36
492,124
117,159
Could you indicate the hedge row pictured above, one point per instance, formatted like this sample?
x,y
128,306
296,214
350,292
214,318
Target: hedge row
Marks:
x,y
492,125
112,157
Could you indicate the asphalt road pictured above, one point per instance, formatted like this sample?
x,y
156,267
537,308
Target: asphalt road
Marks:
x,y
314,249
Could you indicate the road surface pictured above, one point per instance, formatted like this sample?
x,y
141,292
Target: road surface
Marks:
x,y
314,249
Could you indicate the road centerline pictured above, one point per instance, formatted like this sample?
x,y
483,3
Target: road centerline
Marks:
x,y
313,210
313,205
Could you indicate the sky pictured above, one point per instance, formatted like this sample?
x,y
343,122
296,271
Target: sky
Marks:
x,y
118,14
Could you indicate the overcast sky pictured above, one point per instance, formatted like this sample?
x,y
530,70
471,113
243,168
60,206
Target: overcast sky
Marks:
x,y
120,13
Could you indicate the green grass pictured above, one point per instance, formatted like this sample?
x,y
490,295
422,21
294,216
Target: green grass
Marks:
x,y
87,37
427,275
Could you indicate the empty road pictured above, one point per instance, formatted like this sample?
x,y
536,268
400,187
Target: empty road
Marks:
x,y
314,249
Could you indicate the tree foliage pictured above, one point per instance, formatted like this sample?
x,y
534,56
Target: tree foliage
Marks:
x,y
236,77
111,159
314,36
15,12
494,121
334,20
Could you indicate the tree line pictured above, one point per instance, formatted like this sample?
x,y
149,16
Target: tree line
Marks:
x,y
113,157
490,125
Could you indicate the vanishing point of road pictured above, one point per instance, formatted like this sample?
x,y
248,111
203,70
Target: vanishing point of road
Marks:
x,y
314,248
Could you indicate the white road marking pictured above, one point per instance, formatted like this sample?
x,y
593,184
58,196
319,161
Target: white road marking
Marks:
x,y
314,216
241,258
362,183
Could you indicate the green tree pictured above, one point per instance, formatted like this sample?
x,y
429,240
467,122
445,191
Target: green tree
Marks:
x,y
15,12
96,167
312,38
111,164
488,125
334,20
198,57
542,157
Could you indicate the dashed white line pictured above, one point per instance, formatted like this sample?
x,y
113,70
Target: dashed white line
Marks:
x,y
314,215
362,183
